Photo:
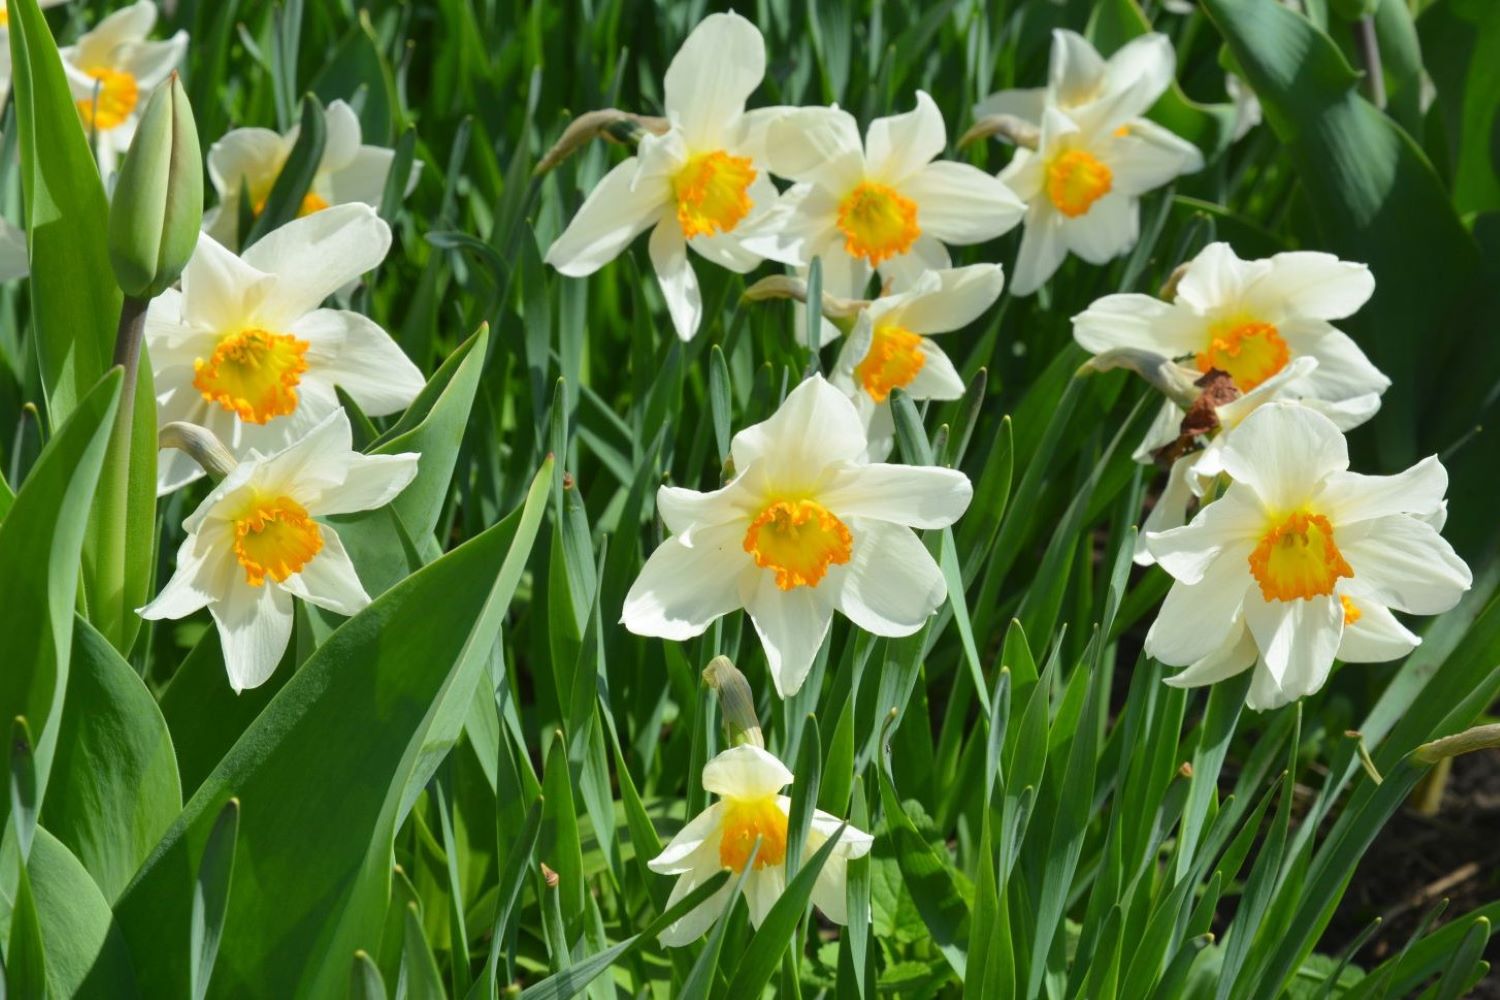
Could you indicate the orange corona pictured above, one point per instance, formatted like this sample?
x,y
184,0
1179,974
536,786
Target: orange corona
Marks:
x,y
798,540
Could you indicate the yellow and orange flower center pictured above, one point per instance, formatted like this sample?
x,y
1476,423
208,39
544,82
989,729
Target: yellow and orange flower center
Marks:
x,y
253,374
1297,558
799,540
1352,613
112,103
311,202
1250,351
1075,180
878,222
713,193
746,819
275,538
894,359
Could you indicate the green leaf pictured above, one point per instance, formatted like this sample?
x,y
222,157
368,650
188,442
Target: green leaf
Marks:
x,y
86,954
700,981
295,179
559,846
365,981
25,954
1464,37
320,776
116,788
40,543
211,898
419,970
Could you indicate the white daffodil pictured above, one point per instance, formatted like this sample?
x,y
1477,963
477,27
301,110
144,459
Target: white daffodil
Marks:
x,y
254,543
702,184
112,70
1127,83
1301,562
246,349
5,65
747,780
805,528
891,346
1083,184
885,203
250,160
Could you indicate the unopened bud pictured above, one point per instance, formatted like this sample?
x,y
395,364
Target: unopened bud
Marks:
x,y
1478,738
158,202
736,702
609,123
784,286
201,445
1016,131
1177,382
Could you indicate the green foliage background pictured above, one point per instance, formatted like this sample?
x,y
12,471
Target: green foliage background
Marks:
x,y
374,820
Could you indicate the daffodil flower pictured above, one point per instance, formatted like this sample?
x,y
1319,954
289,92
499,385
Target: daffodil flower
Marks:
x,y
806,527
891,345
883,203
1128,82
5,65
112,69
246,349
702,184
748,781
255,542
1301,562
249,160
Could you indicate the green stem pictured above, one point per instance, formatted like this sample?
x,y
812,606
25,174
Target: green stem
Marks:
x,y
114,487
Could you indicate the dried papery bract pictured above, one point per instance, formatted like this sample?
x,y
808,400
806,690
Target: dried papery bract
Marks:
x,y
612,124
736,702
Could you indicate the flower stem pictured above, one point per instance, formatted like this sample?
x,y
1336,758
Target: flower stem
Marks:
x,y
1369,54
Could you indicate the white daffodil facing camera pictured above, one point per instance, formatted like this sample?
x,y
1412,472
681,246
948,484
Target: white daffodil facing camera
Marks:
x,y
250,160
1095,155
702,184
1301,562
246,349
883,202
255,542
807,527
748,781
112,69
891,345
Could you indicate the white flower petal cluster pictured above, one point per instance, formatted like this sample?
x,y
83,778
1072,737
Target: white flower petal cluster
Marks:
x,y
1096,154
255,542
245,163
748,782
247,350
807,527
1301,562
112,70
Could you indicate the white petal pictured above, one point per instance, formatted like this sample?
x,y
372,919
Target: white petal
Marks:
x,y
1298,640
813,428
312,463
904,271
820,146
614,213
358,355
1236,655
960,204
1348,497
1311,284
342,135
255,625
892,585
1108,229
151,62
683,587
1376,636
692,925
245,156
1146,65
674,272
363,177
792,625
899,146
1343,369
314,256
1196,619
128,24
953,299
1132,320
201,571
762,889
1026,105
1283,452
745,772
1042,250
370,482
801,225
693,836
1222,529
830,892
1169,511
683,510
329,579
1216,277
1148,156
719,65
937,378
918,496
1405,564
1075,70
220,291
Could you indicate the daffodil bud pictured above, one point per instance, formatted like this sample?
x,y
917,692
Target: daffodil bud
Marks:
x,y
201,445
158,201
736,702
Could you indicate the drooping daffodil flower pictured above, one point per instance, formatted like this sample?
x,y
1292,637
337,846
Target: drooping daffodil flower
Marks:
x,y
748,782
247,350
1301,562
808,526
255,542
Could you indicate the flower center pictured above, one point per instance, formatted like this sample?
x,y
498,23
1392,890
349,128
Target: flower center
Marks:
x,y
1352,613
894,358
877,222
275,538
1250,352
713,193
799,539
746,819
112,104
253,374
1075,180
310,203
1297,558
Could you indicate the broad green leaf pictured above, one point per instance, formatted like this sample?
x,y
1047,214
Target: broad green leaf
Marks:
x,y
86,954
365,981
116,788
320,776
211,898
